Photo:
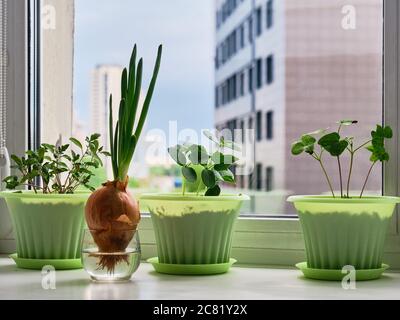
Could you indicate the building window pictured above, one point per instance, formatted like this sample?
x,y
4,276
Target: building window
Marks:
x,y
224,93
250,22
270,69
242,130
250,79
259,73
234,86
233,43
270,125
250,182
242,182
258,21
259,125
270,14
241,86
241,35
259,176
216,97
269,179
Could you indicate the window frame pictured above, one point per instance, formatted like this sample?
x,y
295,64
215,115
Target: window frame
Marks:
x,y
258,239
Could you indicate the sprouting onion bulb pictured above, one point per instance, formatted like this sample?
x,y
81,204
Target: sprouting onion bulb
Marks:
x,y
112,214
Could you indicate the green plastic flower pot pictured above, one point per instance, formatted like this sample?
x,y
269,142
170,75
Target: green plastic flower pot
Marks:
x,y
47,226
193,229
339,232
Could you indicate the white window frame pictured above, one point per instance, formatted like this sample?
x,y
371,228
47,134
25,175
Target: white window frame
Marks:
x,y
258,240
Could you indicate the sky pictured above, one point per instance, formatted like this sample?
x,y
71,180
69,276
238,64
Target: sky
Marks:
x,y
105,31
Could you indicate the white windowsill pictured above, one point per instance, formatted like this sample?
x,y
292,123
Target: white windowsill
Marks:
x,y
240,283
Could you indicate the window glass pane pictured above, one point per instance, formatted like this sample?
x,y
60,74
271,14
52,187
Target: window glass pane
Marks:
x,y
313,63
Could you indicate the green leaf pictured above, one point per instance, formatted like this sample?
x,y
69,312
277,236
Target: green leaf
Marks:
x,y
210,136
218,175
189,174
76,142
232,145
347,122
331,142
124,83
328,139
297,148
149,95
221,166
16,159
378,143
198,155
106,153
307,139
388,132
219,158
228,176
136,97
95,136
317,132
177,155
209,178
213,192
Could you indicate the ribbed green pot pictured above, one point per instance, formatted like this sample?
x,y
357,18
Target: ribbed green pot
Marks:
x,y
339,232
193,229
47,226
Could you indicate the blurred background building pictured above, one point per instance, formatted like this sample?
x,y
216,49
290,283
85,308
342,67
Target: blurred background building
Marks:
x,y
288,67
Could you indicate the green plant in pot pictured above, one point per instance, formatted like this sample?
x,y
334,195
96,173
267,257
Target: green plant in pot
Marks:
x,y
344,229
194,229
48,220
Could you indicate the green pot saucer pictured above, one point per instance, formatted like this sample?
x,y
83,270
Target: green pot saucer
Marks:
x,y
38,264
191,269
337,275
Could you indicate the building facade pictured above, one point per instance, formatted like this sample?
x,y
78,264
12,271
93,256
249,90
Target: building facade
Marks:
x,y
105,80
287,67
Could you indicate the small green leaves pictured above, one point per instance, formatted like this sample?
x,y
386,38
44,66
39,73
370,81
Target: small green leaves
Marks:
x,y
189,174
377,147
209,178
95,136
198,154
306,144
347,122
224,159
227,176
49,162
211,136
211,170
336,145
177,155
331,142
213,192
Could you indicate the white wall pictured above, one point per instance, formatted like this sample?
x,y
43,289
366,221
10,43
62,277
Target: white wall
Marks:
x,y
57,69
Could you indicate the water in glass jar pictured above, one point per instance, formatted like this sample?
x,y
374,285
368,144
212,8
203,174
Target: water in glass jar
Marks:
x,y
95,263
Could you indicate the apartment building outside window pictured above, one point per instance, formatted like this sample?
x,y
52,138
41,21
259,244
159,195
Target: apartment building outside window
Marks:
x,y
269,125
269,69
241,35
216,97
259,73
259,176
270,13
251,78
242,130
259,125
258,21
269,179
250,24
251,181
242,81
